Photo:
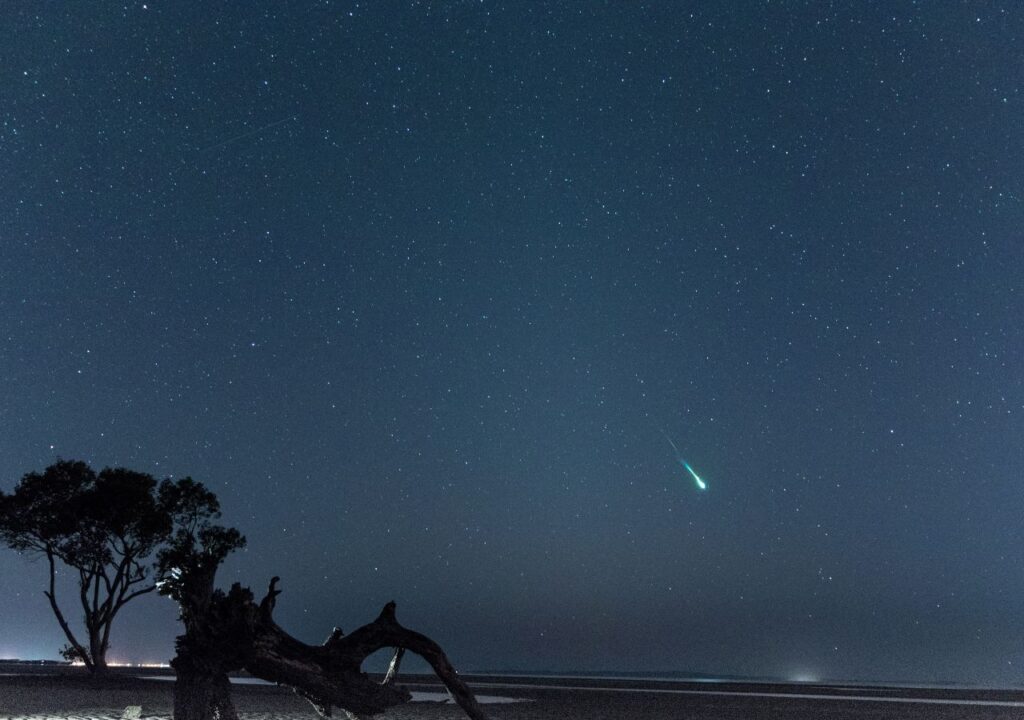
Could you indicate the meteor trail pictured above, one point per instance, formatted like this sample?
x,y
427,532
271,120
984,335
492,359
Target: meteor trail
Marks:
x,y
248,134
700,483
679,458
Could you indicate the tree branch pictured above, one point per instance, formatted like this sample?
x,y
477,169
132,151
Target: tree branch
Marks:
x,y
83,596
95,579
396,662
106,579
385,631
330,674
134,595
51,595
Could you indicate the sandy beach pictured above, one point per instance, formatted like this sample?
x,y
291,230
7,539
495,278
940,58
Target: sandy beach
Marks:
x,y
70,695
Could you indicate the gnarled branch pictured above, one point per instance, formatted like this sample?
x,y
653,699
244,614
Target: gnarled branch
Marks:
x,y
233,632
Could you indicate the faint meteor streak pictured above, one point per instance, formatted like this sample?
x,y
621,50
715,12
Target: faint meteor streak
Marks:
x,y
679,458
250,133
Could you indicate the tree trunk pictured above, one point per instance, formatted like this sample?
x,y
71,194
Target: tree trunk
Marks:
x,y
225,633
51,596
198,696
97,651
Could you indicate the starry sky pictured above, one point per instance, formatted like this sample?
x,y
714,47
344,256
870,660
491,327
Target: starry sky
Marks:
x,y
422,290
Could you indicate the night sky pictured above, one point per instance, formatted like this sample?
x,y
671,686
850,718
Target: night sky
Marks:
x,y
423,290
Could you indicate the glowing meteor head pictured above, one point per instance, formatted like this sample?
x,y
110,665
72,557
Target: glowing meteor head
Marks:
x,y
696,478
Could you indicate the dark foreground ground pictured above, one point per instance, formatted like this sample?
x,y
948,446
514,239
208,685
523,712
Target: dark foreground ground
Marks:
x,y
62,694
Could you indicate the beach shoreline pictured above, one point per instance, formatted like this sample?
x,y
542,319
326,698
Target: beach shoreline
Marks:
x,y
48,692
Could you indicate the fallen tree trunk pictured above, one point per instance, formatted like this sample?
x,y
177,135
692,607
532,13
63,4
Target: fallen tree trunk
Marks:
x,y
229,632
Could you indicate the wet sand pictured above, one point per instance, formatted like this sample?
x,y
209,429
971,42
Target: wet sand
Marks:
x,y
68,694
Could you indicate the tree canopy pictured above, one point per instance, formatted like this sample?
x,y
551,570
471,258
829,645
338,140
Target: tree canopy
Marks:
x,y
105,526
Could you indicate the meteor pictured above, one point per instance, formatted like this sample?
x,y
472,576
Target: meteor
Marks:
x,y
679,458
696,478
250,133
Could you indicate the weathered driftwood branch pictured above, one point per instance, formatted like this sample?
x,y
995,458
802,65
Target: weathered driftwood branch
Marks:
x,y
396,662
232,633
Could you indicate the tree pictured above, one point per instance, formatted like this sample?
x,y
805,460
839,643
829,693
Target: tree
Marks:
x,y
102,526
227,632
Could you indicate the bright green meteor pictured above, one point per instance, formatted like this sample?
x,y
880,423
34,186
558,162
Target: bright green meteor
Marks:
x,y
701,485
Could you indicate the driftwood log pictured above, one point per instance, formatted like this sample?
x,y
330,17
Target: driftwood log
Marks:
x,y
227,632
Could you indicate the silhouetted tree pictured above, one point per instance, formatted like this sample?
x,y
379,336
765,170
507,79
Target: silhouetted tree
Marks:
x,y
103,526
227,632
